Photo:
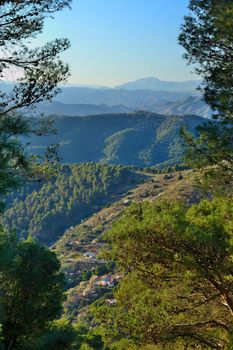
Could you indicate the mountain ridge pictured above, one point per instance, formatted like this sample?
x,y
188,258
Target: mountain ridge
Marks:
x,y
156,84
188,105
139,138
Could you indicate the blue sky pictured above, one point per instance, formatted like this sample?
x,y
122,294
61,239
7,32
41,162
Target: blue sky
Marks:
x,y
114,41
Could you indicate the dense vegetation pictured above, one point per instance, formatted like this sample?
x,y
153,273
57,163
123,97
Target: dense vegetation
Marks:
x,y
179,275
207,37
140,138
177,258
31,291
42,71
32,285
50,208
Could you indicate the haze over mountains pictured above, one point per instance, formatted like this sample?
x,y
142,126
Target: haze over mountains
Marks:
x,y
149,83
112,96
188,105
123,125
59,108
149,94
155,84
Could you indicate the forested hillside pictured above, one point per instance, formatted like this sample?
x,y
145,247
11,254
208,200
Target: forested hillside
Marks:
x,y
88,236
46,210
139,138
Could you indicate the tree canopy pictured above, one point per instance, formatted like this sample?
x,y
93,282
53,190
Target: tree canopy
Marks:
x,y
31,291
207,37
31,284
36,71
178,286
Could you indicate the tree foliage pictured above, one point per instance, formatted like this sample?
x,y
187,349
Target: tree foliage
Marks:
x,y
31,291
207,37
48,209
37,72
40,68
178,287
60,335
31,284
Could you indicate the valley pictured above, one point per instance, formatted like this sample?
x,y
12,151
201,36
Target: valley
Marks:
x,y
71,215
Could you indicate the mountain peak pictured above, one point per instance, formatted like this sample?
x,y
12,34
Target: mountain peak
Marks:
x,y
156,84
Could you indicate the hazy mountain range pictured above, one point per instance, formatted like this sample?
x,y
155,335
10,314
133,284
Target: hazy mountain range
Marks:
x,y
155,84
59,108
149,83
187,105
113,97
150,94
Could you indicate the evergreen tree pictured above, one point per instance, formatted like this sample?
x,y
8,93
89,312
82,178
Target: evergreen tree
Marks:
x,y
37,72
59,336
178,287
207,37
31,291
31,284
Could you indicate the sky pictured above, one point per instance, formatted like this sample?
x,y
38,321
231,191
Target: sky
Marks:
x,y
116,41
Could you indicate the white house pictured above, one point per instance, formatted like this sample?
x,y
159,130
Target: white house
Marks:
x,y
90,255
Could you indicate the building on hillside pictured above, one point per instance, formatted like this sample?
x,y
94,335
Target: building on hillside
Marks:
x,y
93,279
106,281
90,255
111,301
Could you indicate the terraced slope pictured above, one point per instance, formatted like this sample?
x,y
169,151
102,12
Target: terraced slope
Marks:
x,y
88,276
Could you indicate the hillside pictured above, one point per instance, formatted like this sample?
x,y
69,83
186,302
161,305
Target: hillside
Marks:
x,y
90,277
79,248
193,105
48,209
139,139
74,209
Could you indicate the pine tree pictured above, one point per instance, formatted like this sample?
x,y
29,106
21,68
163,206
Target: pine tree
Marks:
x,y
207,37
37,73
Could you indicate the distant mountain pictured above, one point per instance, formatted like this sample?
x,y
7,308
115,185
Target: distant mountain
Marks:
x,y
155,84
140,138
92,86
83,101
135,99
187,105
190,105
59,108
